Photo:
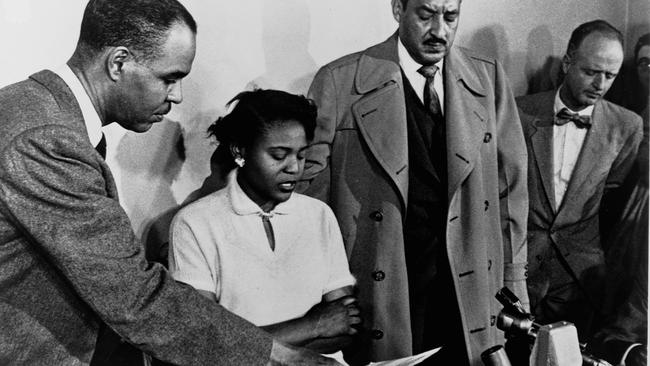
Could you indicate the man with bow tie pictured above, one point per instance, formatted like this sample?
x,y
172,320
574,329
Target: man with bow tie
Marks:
x,y
579,147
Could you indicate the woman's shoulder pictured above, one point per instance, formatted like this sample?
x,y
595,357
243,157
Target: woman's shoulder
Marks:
x,y
213,203
311,204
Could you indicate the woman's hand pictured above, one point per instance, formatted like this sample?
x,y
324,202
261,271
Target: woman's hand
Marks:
x,y
335,318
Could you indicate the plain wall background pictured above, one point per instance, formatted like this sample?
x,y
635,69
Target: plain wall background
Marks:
x,y
280,44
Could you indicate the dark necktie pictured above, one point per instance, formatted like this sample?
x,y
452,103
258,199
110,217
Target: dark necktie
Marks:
x,y
565,116
439,147
431,100
101,147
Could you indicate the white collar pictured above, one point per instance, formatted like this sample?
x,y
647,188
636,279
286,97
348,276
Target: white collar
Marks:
x,y
408,64
244,205
90,116
558,105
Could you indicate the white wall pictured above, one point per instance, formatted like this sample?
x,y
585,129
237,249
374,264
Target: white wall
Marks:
x,y
279,44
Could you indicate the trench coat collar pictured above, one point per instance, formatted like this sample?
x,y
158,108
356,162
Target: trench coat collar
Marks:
x,y
541,137
380,112
465,116
378,65
368,79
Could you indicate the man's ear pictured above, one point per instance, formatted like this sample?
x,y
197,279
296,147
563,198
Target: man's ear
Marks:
x,y
115,60
398,10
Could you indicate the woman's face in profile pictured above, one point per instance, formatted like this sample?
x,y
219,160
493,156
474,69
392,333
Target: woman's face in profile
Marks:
x,y
274,164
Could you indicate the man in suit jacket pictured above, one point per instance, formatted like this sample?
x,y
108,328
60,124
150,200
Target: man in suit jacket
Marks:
x,y
69,261
579,146
426,175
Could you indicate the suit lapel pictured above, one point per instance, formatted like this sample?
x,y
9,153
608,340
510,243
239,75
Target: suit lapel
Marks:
x,y
381,112
589,164
465,117
541,139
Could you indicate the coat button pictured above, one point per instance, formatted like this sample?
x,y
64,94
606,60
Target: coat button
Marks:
x,y
376,216
487,137
377,334
493,320
378,275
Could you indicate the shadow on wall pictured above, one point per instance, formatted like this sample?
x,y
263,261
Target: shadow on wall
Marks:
x,y
492,41
289,66
540,47
156,235
148,173
540,67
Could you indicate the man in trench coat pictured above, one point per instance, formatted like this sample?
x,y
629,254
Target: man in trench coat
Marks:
x,y
428,278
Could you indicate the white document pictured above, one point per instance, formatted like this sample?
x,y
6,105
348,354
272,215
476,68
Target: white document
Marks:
x,y
406,361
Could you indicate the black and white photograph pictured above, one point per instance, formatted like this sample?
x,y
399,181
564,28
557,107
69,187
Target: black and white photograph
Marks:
x,y
304,182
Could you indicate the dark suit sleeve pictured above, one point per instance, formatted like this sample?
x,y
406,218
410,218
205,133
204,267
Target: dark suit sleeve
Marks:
x,y
54,187
316,179
513,189
629,325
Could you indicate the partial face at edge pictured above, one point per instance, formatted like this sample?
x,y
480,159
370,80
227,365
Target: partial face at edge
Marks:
x,y
427,27
642,69
148,88
274,164
591,71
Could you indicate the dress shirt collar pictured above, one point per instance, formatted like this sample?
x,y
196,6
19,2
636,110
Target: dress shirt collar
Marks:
x,y
558,105
243,205
91,118
409,65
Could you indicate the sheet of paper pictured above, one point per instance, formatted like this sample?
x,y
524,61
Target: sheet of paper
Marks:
x,y
407,361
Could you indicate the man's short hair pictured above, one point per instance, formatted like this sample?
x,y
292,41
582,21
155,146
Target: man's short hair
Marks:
x,y
405,2
595,26
140,25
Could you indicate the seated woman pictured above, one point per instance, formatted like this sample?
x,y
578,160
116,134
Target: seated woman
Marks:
x,y
272,256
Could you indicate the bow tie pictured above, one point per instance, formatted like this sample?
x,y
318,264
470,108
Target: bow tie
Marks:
x,y
565,116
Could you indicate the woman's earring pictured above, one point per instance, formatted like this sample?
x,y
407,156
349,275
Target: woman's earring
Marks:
x,y
240,161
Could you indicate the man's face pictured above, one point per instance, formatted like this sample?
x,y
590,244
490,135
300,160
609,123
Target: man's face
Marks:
x,y
643,66
427,27
591,71
148,88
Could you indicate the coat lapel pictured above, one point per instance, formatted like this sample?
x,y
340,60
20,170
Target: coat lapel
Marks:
x,y
381,112
541,139
465,117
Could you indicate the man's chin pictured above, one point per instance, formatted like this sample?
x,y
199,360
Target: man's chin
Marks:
x,y
139,127
431,57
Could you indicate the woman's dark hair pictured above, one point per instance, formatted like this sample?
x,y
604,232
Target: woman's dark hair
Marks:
x,y
254,114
